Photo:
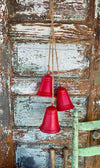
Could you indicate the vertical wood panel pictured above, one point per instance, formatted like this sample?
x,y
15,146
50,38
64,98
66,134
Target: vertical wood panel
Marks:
x,y
6,141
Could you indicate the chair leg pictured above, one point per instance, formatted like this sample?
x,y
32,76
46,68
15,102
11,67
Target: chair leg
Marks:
x,y
52,157
65,157
75,140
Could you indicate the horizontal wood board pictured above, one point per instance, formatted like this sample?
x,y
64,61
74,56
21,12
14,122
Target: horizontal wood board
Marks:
x,y
35,136
37,10
41,31
29,111
32,58
30,85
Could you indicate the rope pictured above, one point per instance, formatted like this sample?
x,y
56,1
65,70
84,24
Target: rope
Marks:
x,y
49,56
57,63
52,33
52,39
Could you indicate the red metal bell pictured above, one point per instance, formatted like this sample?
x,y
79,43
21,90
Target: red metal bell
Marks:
x,y
45,88
63,100
50,122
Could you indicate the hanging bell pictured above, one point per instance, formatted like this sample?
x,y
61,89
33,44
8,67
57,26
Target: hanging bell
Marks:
x,y
63,100
45,88
50,122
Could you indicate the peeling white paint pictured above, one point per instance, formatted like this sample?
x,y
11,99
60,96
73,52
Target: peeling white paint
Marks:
x,y
97,8
98,102
29,111
33,57
41,31
35,135
27,87
1,111
74,10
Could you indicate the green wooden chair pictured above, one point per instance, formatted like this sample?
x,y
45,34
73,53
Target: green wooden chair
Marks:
x,y
87,151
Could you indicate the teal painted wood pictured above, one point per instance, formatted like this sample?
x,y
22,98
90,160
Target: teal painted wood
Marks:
x,y
30,85
89,151
90,125
37,156
75,140
29,110
33,57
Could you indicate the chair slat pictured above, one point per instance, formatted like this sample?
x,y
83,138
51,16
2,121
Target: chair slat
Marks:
x,y
89,125
89,151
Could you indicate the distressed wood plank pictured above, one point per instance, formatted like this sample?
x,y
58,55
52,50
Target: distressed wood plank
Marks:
x,y
29,86
90,125
6,142
41,31
29,111
32,58
35,136
37,10
89,151
39,156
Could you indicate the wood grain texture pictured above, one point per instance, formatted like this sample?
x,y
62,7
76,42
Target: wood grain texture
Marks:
x,y
63,10
30,85
29,111
33,135
66,33
6,142
94,92
32,59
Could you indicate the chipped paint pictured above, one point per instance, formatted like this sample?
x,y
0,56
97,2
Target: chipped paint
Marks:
x,y
35,136
70,10
29,24
29,111
97,8
33,57
29,86
41,31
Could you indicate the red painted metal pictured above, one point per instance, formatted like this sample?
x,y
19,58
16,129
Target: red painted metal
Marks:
x,y
63,100
50,122
45,88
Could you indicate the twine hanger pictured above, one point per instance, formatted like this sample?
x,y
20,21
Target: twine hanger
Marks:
x,y
52,45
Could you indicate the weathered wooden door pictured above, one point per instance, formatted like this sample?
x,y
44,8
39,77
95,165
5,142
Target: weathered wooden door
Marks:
x,y
25,30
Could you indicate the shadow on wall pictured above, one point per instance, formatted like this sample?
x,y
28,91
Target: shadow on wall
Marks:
x,y
27,162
